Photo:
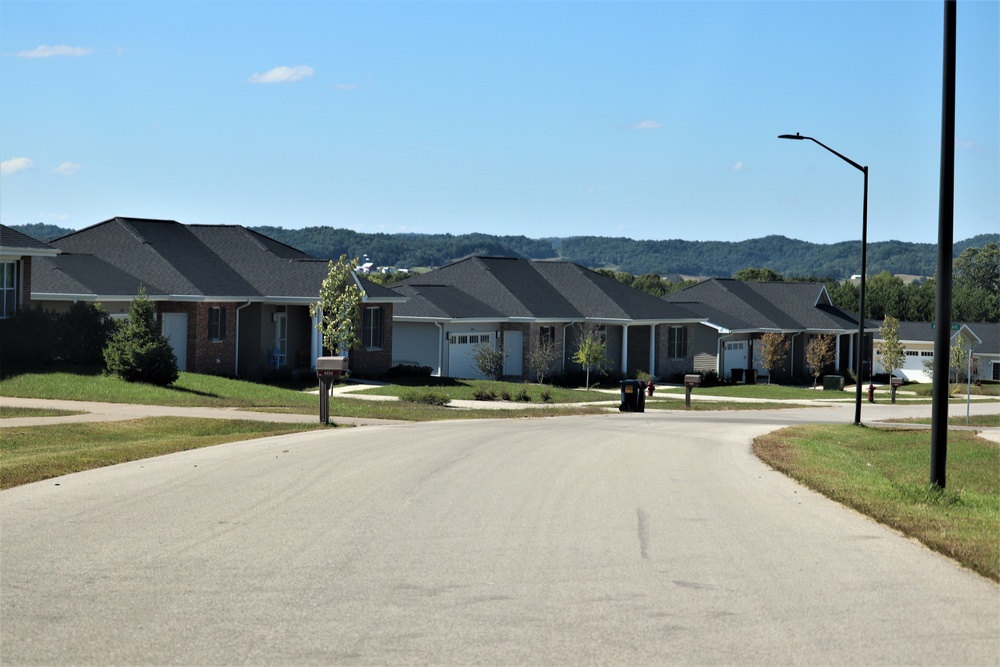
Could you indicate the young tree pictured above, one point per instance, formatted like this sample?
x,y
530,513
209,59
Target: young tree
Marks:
x,y
819,354
137,351
958,358
339,307
489,360
591,351
892,352
772,349
542,359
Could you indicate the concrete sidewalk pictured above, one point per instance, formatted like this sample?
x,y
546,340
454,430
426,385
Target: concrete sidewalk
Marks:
x,y
94,411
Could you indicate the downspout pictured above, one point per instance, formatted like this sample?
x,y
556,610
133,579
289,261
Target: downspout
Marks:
x,y
236,363
440,348
565,327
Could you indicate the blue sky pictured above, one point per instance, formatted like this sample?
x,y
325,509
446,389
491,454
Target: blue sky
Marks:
x,y
652,120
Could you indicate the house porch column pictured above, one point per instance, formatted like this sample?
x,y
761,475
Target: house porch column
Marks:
x,y
652,349
625,350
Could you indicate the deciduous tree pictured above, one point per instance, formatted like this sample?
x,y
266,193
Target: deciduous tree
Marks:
x,y
591,351
819,354
339,306
772,349
892,354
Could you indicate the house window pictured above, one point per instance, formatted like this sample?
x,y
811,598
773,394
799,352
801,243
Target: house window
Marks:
x,y
371,329
546,334
677,342
8,289
216,323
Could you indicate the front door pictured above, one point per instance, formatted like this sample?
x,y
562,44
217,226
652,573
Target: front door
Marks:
x,y
513,344
175,326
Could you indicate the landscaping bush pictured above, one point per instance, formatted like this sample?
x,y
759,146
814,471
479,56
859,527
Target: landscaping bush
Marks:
x,y
484,394
137,352
410,371
425,396
29,340
83,333
523,396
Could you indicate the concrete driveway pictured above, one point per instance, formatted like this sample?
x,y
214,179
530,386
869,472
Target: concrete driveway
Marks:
x,y
653,538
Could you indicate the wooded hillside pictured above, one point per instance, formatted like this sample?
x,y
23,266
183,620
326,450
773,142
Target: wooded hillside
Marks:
x,y
790,257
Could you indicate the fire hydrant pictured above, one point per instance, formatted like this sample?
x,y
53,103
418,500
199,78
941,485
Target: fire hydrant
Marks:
x,y
650,388
871,393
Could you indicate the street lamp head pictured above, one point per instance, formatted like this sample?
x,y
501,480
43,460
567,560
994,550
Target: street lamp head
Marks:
x,y
792,136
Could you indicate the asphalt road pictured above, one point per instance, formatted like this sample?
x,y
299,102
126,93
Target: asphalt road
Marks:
x,y
653,538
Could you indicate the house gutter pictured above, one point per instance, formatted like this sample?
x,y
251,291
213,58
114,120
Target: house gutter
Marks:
x,y
236,361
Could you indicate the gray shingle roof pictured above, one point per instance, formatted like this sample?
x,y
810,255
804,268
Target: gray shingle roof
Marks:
x,y
987,332
169,258
504,287
738,305
13,240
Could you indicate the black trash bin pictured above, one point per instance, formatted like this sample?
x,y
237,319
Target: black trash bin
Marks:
x,y
737,374
633,396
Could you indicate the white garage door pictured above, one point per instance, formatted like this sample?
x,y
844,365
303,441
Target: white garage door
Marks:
x,y
460,350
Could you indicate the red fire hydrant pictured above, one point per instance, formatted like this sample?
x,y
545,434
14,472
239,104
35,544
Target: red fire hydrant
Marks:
x,y
871,393
650,388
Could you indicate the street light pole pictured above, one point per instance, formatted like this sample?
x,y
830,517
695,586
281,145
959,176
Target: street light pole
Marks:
x,y
859,363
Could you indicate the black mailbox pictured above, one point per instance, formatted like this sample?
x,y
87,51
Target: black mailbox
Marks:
x,y
894,384
691,380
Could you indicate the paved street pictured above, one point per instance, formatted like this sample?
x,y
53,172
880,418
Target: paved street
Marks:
x,y
612,539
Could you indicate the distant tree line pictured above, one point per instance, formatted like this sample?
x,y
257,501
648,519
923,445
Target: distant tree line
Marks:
x,y
671,258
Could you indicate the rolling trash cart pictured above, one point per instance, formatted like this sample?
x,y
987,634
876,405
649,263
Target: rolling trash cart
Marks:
x,y
633,396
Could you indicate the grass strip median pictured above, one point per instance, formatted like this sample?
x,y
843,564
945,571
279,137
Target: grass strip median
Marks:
x,y
883,472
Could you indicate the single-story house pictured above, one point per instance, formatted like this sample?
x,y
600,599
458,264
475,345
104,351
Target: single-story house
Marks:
x,y
17,252
738,313
231,301
982,339
519,304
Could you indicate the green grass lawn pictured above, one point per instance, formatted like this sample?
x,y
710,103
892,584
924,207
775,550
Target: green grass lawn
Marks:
x,y
884,473
35,453
191,389
777,392
458,389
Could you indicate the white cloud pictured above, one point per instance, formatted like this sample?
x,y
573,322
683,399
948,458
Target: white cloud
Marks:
x,y
647,125
347,86
739,166
67,169
969,144
283,75
45,51
15,164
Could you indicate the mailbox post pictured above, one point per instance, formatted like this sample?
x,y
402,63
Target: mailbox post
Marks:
x,y
328,370
691,381
894,384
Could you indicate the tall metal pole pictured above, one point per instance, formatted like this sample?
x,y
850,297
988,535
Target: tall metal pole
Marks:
x,y
946,240
860,362
862,348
